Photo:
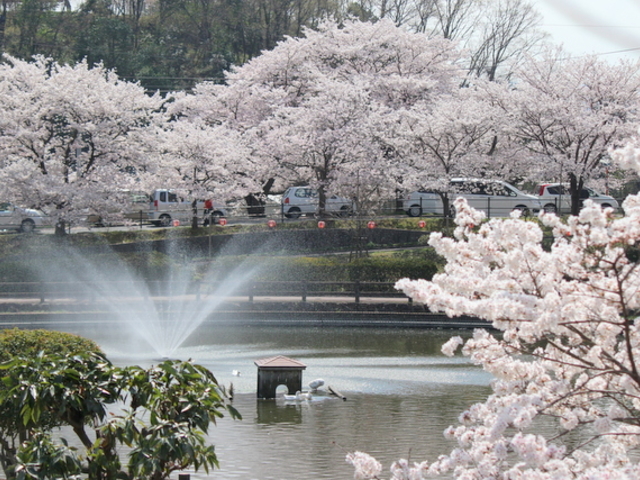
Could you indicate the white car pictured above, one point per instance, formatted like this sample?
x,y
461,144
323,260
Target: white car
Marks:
x,y
495,197
165,207
297,201
24,220
555,197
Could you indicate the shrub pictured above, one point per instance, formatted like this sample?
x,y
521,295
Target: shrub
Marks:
x,y
16,342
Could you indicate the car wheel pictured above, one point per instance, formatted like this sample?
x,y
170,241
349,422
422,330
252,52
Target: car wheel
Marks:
x,y
345,211
606,205
525,212
294,212
27,226
414,211
216,216
550,208
165,220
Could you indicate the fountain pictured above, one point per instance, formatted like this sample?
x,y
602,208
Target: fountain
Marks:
x,y
387,373
158,314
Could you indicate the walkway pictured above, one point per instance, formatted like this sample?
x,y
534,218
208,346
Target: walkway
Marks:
x,y
268,310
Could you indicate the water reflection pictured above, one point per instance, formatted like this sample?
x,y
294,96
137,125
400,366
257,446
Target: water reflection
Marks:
x,y
402,394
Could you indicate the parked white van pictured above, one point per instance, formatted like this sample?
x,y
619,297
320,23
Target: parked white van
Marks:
x,y
165,206
297,201
495,197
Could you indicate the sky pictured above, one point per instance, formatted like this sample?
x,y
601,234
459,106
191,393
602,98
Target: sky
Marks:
x,y
609,28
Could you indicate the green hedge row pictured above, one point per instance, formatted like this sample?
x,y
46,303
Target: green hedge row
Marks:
x,y
389,268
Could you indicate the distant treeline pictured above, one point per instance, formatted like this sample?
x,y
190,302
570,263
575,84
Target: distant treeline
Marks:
x,y
171,45
164,44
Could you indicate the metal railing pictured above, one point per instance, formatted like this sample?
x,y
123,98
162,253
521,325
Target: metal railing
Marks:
x,y
109,290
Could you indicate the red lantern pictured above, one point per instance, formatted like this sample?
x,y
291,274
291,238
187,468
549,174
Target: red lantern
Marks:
x,y
321,224
422,224
222,221
371,224
271,223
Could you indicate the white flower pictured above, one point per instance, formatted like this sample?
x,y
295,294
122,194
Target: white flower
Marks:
x,y
366,467
451,345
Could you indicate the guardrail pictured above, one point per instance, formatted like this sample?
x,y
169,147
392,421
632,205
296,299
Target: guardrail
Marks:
x,y
138,289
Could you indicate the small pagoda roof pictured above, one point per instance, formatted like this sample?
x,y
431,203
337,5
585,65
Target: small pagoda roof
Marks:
x,y
280,361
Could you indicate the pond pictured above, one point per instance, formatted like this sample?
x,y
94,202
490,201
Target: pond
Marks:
x,y
401,395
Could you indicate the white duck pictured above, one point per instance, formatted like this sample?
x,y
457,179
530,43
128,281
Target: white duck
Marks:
x,y
298,397
306,396
293,398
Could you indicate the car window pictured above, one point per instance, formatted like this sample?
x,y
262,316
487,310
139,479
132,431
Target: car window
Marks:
x,y
306,193
462,187
139,198
476,188
500,190
555,190
5,207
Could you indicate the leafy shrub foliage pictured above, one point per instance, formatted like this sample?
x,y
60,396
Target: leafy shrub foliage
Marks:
x,y
164,417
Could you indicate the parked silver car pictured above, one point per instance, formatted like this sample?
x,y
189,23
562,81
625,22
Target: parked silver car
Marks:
x,y
495,197
297,201
555,197
24,220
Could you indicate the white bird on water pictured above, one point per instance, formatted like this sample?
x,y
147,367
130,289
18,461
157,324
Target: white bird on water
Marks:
x,y
315,384
305,396
298,397
292,398
236,373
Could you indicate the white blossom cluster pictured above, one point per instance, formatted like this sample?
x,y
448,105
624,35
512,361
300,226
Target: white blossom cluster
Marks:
x,y
564,300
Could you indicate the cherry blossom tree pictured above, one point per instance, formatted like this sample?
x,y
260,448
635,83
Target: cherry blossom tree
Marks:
x,y
312,107
71,136
568,112
202,161
564,354
458,135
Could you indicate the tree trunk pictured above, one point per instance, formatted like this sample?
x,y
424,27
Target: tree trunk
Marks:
x,y
322,201
61,228
575,190
194,216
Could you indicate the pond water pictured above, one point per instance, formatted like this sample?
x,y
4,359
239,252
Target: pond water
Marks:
x,y
401,394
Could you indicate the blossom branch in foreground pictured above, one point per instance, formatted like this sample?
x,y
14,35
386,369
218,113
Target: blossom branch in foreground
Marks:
x,y
565,399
